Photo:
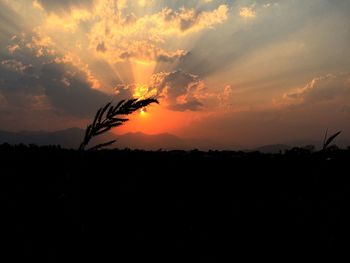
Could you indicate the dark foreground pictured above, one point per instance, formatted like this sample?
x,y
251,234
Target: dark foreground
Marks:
x,y
133,206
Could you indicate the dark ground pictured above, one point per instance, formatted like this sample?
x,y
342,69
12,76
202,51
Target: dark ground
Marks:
x,y
131,206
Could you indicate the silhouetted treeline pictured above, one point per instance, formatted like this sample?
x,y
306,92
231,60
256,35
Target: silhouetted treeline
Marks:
x,y
123,205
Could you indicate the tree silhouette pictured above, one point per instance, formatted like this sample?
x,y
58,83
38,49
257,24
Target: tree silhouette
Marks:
x,y
107,118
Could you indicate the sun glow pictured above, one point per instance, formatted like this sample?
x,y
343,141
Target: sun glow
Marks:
x,y
155,119
143,112
143,91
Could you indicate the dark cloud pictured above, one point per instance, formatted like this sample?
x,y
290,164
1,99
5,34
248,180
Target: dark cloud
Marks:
x,y
185,23
17,66
59,87
182,90
101,47
193,105
170,58
18,85
33,84
148,52
65,90
70,92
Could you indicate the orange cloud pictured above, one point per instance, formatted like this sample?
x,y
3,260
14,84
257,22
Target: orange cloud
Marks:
x,y
190,20
247,12
75,60
69,23
109,32
13,48
124,37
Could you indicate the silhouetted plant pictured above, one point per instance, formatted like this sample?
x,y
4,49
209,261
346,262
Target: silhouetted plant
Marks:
x,y
329,140
107,118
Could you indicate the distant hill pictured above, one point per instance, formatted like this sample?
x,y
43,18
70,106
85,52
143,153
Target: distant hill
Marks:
x,y
71,138
274,148
277,148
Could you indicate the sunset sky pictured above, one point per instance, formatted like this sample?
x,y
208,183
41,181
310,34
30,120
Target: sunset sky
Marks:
x,y
252,72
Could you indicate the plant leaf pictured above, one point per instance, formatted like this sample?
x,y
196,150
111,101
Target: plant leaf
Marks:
x,y
110,112
120,119
325,138
106,129
103,111
118,106
330,139
96,118
105,122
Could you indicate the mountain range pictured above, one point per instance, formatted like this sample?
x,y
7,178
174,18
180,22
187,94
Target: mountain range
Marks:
x,y
71,138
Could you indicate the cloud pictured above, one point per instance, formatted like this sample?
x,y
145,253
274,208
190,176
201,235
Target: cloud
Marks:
x,y
192,105
58,87
101,47
17,66
177,90
193,20
13,48
225,96
126,36
19,88
182,91
282,21
144,3
247,12
48,83
301,115
325,88
69,21
68,90
61,5
115,32
145,52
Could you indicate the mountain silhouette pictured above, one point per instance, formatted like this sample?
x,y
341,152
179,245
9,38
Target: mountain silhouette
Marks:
x,y
68,138
71,138
273,148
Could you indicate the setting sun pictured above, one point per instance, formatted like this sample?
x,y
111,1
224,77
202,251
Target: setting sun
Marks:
x,y
143,112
